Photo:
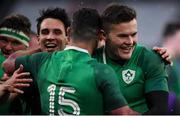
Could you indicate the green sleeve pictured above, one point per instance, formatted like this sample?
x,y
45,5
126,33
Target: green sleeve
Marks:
x,y
154,72
2,59
174,79
32,63
108,84
29,101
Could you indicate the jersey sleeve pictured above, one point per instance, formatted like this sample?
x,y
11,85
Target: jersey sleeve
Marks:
x,y
30,100
108,84
31,63
155,73
2,59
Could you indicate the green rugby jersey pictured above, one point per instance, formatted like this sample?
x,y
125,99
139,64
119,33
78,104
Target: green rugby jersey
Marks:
x,y
143,73
174,79
17,106
2,59
4,108
71,82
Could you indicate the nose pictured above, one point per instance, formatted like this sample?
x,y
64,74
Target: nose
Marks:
x,y
51,36
129,40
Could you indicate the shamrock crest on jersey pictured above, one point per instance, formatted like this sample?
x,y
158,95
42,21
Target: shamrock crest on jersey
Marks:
x,y
128,75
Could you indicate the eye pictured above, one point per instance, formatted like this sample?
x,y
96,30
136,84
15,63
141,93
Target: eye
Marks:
x,y
44,31
134,34
123,35
57,31
16,43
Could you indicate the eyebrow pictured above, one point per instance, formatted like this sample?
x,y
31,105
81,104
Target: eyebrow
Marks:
x,y
125,35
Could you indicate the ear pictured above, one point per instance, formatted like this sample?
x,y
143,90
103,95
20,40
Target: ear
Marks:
x,y
68,34
102,36
38,39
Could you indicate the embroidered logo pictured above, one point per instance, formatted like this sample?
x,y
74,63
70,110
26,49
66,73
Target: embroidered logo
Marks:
x,y
128,75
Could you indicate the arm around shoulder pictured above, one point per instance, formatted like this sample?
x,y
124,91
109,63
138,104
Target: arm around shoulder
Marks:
x,y
9,63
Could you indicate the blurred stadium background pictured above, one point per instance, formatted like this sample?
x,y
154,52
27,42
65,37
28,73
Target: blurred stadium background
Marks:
x,y
152,14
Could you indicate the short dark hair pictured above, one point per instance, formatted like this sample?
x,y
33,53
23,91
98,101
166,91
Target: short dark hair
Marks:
x,y
17,22
56,13
171,28
115,14
86,24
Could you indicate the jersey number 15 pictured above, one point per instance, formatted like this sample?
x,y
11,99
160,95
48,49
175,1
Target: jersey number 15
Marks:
x,y
61,100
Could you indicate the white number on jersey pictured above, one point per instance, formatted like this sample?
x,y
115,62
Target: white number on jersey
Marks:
x,y
62,100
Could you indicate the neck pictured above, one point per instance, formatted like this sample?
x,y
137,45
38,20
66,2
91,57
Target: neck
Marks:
x,y
84,45
110,53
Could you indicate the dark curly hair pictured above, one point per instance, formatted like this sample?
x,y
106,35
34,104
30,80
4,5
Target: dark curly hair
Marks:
x,y
86,24
56,13
115,14
17,22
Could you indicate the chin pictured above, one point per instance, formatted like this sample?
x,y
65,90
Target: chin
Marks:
x,y
49,49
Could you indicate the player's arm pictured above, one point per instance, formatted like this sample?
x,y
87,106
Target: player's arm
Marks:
x,y
157,102
164,54
108,84
156,86
9,63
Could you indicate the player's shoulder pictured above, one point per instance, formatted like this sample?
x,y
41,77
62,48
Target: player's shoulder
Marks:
x,y
149,54
103,68
41,55
36,57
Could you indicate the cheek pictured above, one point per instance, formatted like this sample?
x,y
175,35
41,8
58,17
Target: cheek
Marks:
x,y
135,41
117,42
112,42
61,40
41,41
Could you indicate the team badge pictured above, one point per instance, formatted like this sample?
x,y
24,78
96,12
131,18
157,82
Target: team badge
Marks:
x,y
128,75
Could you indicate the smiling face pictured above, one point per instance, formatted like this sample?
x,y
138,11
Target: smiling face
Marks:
x,y
52,36
121,40
10,45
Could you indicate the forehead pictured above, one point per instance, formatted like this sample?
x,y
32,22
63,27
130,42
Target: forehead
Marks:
x,y
127,27
51,23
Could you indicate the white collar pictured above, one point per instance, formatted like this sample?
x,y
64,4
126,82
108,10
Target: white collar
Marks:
x,y
104,55
68,47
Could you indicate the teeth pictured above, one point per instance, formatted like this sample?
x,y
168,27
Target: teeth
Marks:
x,y
126,48
50,45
